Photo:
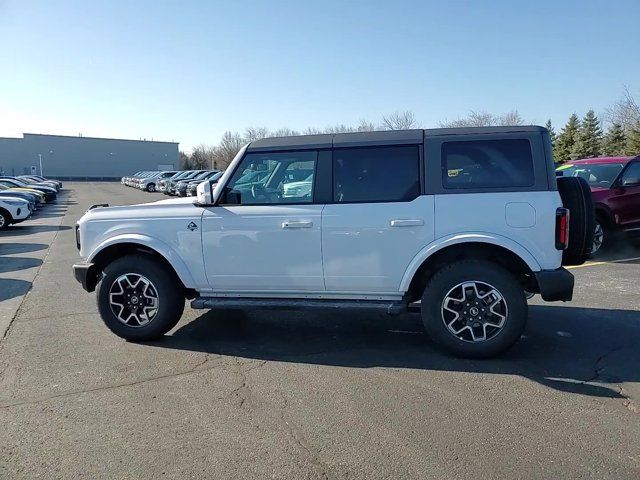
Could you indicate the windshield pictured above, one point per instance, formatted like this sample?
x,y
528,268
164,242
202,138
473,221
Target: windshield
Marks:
x,y
596,174
10,183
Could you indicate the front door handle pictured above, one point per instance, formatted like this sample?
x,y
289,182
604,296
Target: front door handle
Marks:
x,y
296,224
406,223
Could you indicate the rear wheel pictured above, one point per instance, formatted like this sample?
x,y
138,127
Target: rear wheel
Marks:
x,y
474,308
138,299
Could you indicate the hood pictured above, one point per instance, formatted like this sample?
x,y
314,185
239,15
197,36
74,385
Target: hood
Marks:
x,y
171,208
22,201
170,201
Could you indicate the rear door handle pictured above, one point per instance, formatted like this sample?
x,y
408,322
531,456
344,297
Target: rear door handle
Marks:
x,y
301,224
406,223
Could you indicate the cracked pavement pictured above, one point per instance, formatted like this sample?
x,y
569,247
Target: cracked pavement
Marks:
x,y
313,395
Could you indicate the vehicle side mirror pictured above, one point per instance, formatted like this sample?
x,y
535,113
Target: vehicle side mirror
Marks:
x,y
204,194
630,182
559,173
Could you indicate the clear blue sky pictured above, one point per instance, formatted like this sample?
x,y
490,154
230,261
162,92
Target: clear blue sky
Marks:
x,y
189,70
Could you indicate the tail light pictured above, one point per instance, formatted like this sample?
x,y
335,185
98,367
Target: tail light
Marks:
x,y
562,228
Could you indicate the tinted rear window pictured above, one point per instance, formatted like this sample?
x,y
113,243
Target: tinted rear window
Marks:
x,y
376,174
487,164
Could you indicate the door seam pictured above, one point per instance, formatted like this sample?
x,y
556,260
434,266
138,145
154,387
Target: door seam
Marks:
x,y
324,282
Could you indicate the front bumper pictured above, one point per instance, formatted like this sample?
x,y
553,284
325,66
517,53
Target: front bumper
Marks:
x,y
85,274
555,285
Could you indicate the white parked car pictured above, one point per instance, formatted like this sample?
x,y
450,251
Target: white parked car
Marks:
x,y
149,183
466,221
298,189
13,210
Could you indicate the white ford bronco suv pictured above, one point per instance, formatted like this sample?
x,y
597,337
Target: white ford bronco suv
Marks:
x,y
460,223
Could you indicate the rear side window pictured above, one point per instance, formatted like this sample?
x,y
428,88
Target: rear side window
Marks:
x,y
376,174
487,164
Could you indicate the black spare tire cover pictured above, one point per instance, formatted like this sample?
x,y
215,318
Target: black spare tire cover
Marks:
x,y
576,196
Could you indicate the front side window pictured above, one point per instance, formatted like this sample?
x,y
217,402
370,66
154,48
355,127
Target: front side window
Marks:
x,y
273,178
477,164
631,176
376,174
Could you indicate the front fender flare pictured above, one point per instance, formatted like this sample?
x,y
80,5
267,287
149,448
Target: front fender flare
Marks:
x,y
471,237
603,210
152,243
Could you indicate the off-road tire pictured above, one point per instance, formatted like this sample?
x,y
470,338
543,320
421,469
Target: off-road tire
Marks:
x,y
170,297
487,272
576,196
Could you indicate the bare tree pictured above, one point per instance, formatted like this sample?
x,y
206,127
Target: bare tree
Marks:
x,y
311,131
625,112
202,157
339,128
511,118
227,149
366,126
284,132
399,121
474,119
184,161
255,133
485,119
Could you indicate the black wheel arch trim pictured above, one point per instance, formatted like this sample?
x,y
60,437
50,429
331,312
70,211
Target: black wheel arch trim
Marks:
x,y
86,275
602,211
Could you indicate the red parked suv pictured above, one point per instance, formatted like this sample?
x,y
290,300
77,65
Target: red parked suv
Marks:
x,y
615,188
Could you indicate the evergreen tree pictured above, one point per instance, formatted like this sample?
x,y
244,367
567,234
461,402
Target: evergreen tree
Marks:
x,y
589,141
554,139
633,140
566,140
614,142
552,133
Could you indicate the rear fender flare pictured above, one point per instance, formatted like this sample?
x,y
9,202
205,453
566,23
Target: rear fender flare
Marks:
x,y
471,237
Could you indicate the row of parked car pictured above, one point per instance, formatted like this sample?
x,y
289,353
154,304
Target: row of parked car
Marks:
x,y
21,196
181,183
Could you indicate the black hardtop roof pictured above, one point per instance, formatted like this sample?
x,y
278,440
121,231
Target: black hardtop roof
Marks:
x,y
386,137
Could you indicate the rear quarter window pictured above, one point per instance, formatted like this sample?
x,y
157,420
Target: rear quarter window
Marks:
x,y
478,164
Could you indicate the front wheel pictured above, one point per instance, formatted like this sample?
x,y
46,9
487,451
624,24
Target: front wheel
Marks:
x,y
5,219
151,187
474,308
601,238
138,299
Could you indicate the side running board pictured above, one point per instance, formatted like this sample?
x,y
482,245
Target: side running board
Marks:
x,y
390,307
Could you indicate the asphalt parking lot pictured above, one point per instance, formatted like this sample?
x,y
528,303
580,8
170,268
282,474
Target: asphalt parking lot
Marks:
x,y
329,395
